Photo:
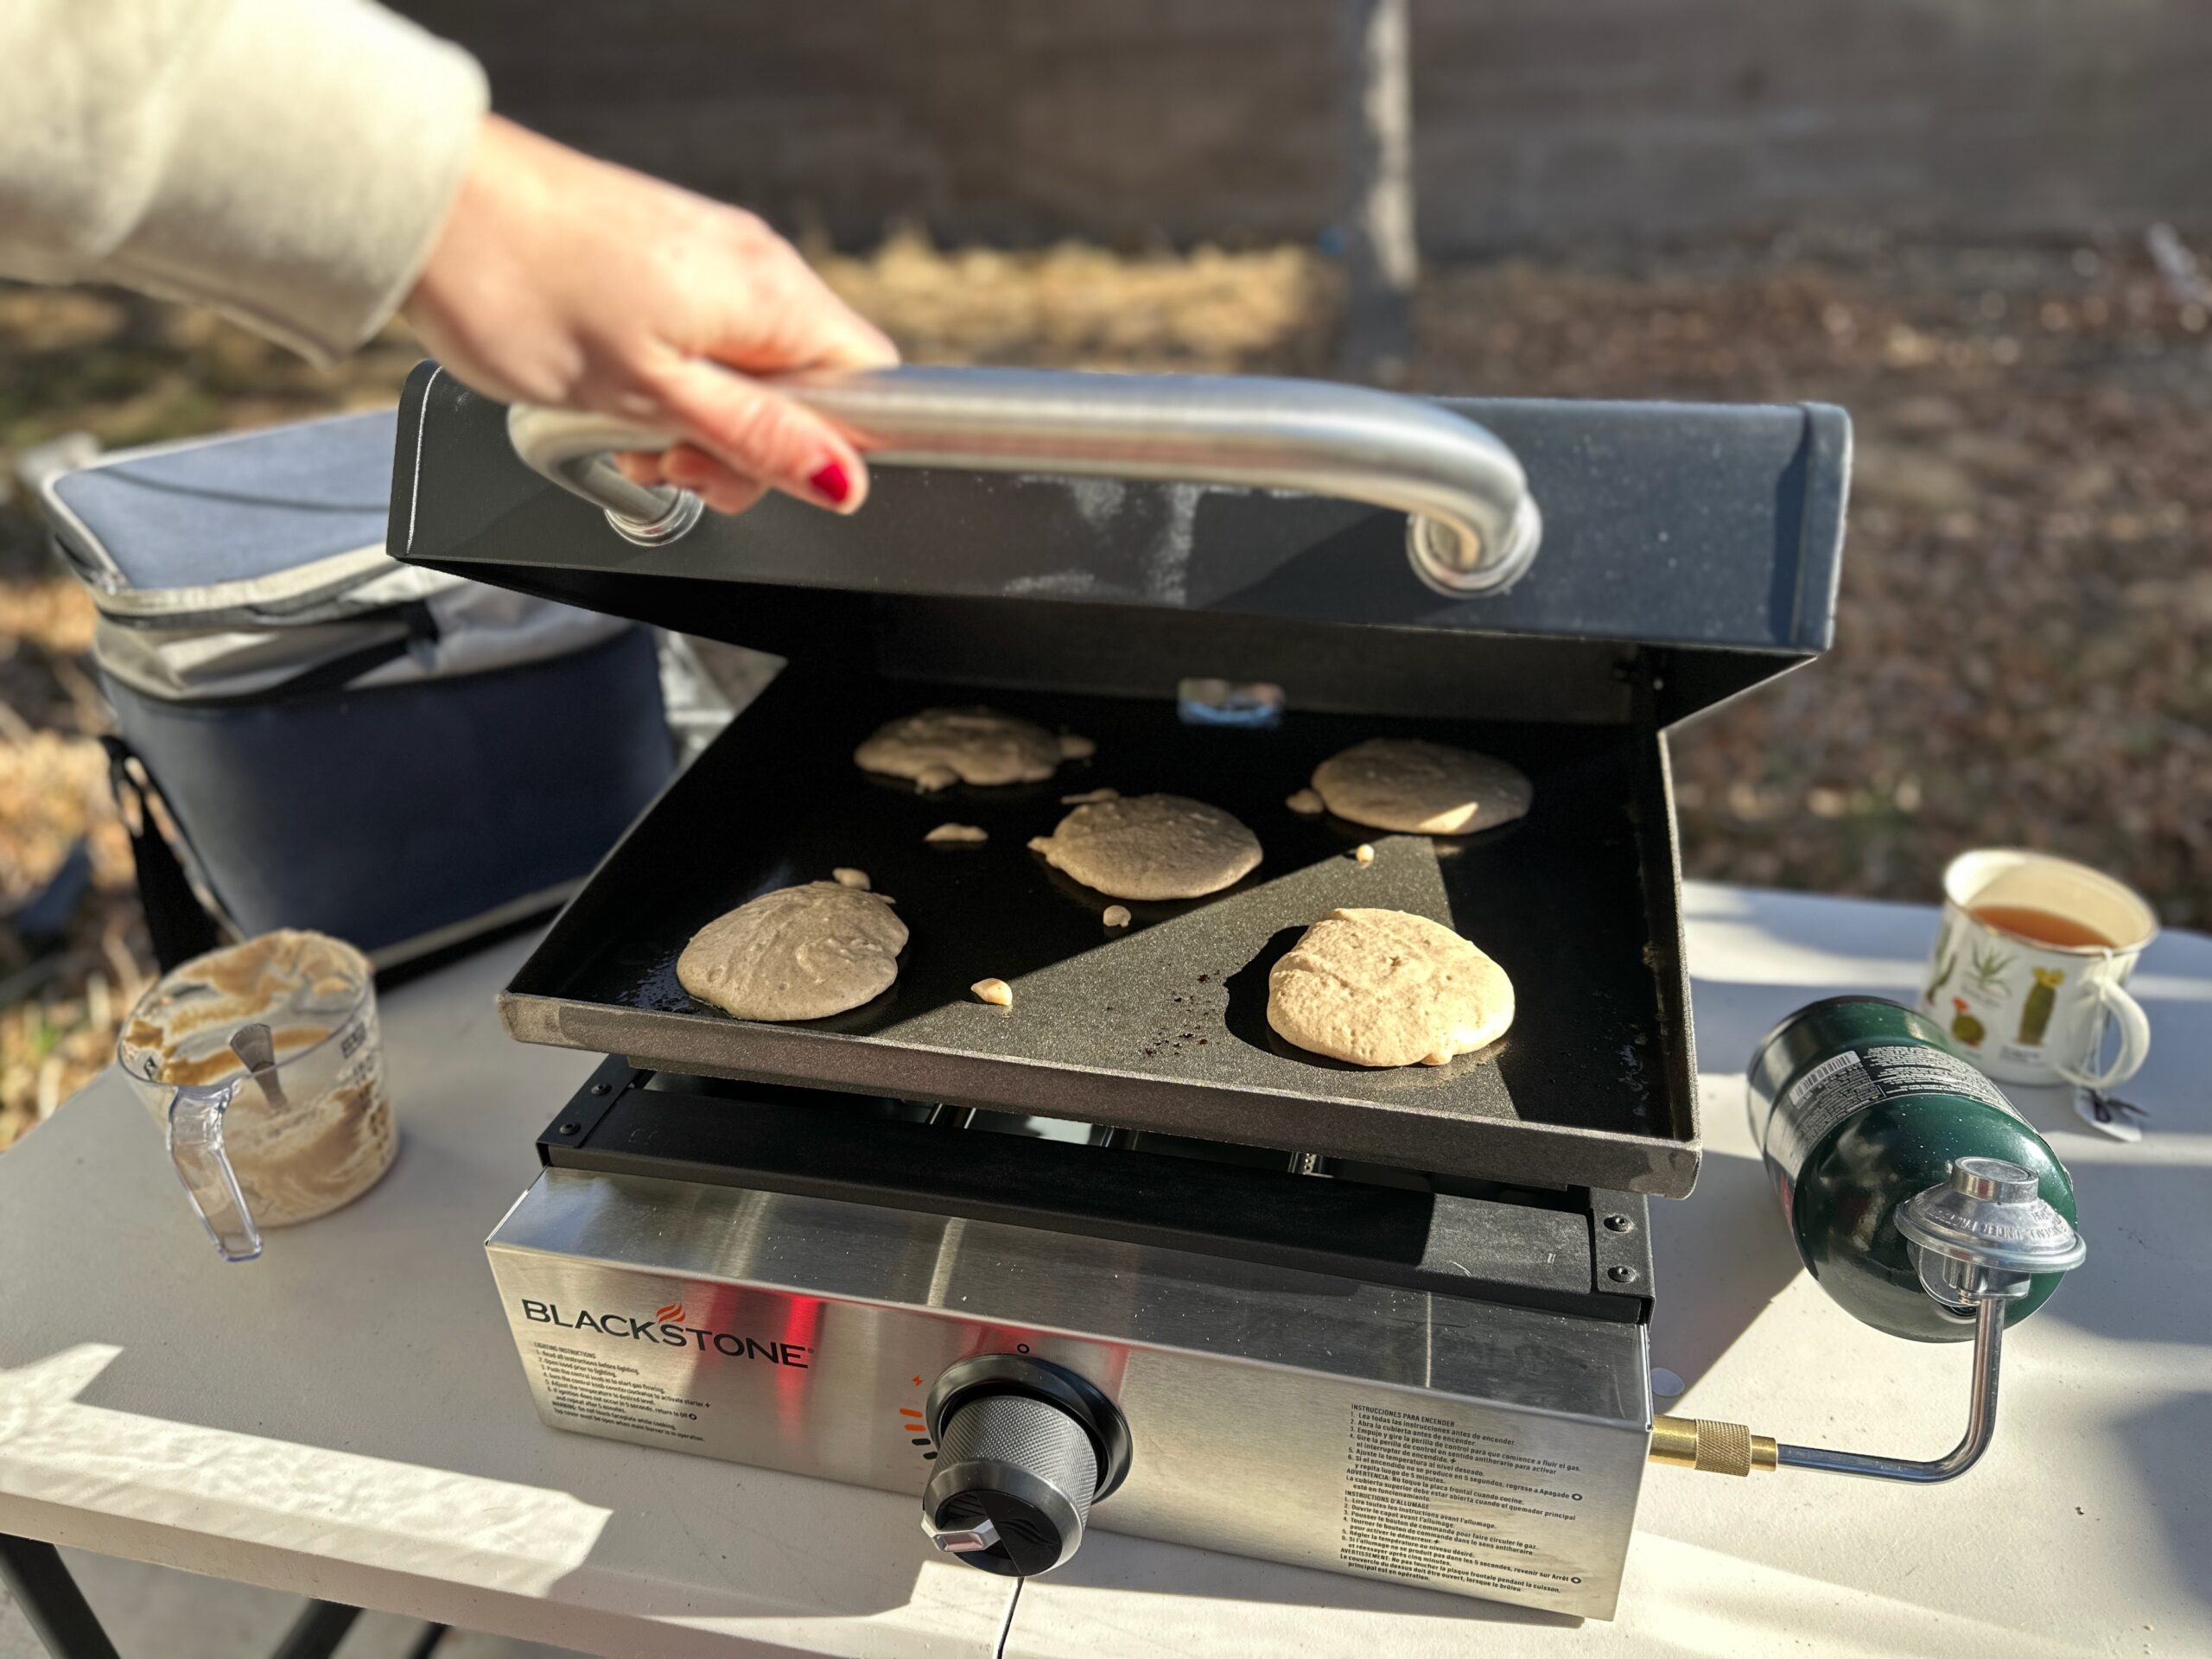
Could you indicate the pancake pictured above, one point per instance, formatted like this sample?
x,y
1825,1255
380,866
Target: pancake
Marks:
x,y
940,747
1421,788
798,953
1151,847
1383,987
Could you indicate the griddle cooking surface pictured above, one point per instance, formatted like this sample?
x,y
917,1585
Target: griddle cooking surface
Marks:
x,y
1162,1026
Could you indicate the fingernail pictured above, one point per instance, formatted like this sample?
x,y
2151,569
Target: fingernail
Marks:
x,y
831,483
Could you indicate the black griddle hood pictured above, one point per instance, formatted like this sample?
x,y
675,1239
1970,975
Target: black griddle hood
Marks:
x,y
1709,533
1689,552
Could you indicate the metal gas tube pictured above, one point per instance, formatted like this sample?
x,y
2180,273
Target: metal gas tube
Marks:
x,y
1978,1240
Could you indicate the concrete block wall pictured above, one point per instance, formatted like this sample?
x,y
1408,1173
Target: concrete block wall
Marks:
x,y
1538,122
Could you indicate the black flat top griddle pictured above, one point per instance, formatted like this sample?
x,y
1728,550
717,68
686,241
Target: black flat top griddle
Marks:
x,y
1162,1026
1688,552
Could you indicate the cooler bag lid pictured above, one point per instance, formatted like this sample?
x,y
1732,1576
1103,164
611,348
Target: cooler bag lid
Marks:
x,y
245,564
277,525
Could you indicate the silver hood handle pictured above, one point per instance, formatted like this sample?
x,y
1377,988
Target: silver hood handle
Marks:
x,y
1473,525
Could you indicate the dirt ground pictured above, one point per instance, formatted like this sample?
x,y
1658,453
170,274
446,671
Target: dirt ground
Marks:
x,y
2021,651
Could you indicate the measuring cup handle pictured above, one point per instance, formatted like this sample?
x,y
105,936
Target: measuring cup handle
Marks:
x,y
196,1149
2110,997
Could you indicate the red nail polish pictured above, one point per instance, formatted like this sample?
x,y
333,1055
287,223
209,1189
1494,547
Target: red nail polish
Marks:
x,y
832,483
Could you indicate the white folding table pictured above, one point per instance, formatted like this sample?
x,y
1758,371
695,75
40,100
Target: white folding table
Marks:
x,y
346,1417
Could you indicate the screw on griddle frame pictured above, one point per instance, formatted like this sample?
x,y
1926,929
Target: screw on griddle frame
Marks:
x,y
1619,1224
1621,1274
571,1128
599,1087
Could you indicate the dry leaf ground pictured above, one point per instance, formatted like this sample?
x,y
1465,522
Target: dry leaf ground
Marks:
x,y
2022,641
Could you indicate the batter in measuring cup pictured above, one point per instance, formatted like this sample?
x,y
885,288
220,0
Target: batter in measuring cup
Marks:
x,y
321,1133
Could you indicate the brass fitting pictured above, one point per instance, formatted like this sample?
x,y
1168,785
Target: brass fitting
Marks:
x,y
1717,1448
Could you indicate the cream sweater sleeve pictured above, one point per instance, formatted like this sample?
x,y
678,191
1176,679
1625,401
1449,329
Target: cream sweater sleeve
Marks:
x,y
288,162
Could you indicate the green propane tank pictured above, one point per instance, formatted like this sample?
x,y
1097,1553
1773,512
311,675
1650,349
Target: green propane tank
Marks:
x,y
1858,1105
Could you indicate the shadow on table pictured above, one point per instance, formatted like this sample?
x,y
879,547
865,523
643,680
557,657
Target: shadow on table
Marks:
x,y
2144,1279
2170,1445
1713,1279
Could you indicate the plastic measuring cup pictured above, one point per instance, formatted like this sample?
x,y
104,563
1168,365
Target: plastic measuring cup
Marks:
x,y
263,1063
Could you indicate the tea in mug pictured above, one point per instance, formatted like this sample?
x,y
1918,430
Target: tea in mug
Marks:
x,y
2030,969
2041,926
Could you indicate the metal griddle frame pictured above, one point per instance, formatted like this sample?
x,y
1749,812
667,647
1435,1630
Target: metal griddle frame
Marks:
x,y
1689,552
1574,1250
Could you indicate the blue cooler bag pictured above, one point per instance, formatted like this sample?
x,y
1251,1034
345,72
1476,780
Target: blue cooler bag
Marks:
x,y
404,758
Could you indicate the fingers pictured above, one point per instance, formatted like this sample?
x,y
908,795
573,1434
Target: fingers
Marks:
x,y
751,306
755,434
712,482
692,469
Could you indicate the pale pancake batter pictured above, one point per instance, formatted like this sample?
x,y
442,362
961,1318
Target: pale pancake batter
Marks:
x,y
798,953
1151,847
941,746
1421,788
1386,988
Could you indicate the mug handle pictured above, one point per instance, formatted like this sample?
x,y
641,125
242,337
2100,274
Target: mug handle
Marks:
x,y
2110,997
196,1149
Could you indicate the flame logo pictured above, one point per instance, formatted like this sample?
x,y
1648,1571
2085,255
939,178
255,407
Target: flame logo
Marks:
x,y
673,1314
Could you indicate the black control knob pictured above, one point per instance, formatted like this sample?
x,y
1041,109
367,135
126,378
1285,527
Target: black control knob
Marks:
x,y
1024,1449
1012,1486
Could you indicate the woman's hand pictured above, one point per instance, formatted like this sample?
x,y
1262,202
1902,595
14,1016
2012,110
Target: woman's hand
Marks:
x,y
560,280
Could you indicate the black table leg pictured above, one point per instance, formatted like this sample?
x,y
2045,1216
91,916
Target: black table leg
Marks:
x,y
39,1579
60,1616
318,1631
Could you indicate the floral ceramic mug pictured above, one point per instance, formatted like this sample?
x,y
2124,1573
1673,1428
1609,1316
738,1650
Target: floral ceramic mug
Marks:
x,y
2031,964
